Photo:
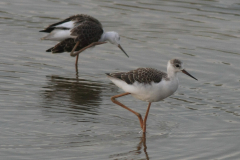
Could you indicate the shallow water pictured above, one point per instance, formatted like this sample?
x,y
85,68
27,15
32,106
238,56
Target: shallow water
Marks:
x,y
51,111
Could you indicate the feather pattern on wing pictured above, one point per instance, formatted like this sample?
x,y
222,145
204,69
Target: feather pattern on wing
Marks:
x,y
85,28
141,75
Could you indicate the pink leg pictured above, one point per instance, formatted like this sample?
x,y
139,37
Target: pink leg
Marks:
x,y
145,119
120,104
74,48
90,45
76,62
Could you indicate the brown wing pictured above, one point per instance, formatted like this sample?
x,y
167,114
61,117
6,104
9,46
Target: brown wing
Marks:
x,y
79,18
64,46
51,27
87,32
83,18
141,75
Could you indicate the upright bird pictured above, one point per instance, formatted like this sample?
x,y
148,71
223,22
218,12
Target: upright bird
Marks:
x,y
148,84
77,33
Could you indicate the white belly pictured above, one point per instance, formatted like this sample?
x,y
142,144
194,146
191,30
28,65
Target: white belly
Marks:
x,y
153,92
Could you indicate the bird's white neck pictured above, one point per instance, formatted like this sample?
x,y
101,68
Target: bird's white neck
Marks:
x,y
107,36
172,74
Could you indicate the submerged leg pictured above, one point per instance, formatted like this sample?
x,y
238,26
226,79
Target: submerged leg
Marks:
x,y
90,45
142,144
145,145
120,104
145,119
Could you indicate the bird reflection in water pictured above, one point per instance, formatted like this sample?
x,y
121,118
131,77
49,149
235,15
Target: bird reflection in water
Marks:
x,y
74,93
131,154
144,145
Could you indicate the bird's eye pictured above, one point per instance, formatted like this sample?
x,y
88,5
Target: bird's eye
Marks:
x,y
177,65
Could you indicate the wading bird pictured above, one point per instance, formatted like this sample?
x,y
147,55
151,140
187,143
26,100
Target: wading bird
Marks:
x,y
148,84
77,33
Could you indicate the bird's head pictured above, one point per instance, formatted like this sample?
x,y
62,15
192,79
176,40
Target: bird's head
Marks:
x,y
114,38
175,65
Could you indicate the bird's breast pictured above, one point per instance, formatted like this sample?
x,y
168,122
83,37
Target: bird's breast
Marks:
x,y
155,92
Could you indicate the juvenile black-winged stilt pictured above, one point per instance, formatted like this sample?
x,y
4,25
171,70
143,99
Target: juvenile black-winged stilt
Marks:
x,y
77,33
148,84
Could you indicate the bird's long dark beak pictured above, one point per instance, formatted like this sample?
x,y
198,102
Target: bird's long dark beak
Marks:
x,y
185,72
119,46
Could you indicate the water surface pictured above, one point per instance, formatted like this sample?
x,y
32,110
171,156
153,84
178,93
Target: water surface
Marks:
x,y
50,111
